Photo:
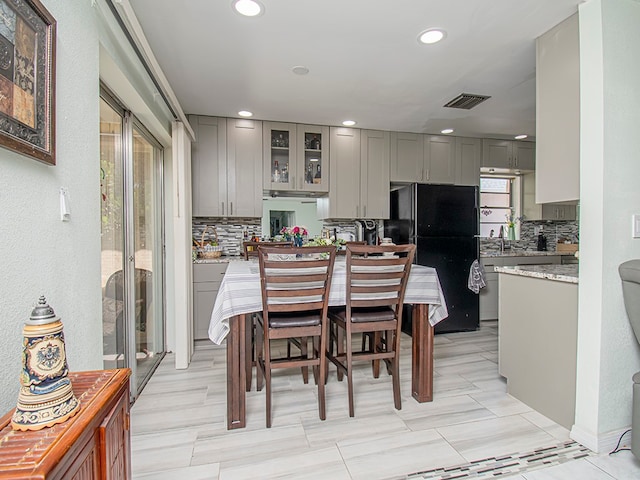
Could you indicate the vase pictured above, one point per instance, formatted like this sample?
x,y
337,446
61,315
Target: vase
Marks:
x,y
511,233
297,241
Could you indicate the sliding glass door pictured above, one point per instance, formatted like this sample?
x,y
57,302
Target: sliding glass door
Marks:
x,y
132,243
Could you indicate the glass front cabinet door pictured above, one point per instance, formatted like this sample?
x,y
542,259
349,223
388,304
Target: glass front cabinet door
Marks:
x,y
296,157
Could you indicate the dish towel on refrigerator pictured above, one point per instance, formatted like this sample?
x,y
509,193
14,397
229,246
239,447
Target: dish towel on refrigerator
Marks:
x,y
476,277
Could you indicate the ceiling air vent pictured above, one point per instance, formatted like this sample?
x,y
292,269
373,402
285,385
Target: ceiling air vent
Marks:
x,y
466,101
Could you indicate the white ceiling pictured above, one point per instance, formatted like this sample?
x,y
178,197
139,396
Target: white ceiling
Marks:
x,y
364,59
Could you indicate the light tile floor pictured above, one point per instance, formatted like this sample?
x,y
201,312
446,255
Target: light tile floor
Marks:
x,y
178,424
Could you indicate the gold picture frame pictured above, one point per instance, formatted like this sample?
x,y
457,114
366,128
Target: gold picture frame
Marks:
x,y
27,79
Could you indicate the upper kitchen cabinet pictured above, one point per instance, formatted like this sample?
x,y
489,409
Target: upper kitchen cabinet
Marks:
x,y
295,157
209,165
558,113
279,156
468,160
416,157
374,174
226,167
407,157
344,156
439,159
545,211
359,169
244,168
508,154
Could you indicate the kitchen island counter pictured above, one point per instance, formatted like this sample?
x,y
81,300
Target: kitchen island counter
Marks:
x,y
522,253
560,273
537,341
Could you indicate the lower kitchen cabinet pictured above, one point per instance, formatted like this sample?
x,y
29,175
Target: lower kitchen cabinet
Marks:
x,y
93,444
206,282
489,294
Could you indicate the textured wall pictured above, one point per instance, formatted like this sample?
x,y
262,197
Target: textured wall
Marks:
x,y
608,353
40,254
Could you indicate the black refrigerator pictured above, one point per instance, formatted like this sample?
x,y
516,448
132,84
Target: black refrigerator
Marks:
x,y
442,221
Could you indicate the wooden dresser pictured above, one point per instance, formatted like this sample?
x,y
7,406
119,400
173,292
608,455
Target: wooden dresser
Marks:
x,y
94,444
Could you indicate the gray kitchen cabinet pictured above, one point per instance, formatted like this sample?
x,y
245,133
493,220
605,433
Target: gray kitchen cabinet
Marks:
x,y
344,175
524,155
208,165
488,296
407,157
279,156
374,174
244,168
508,154
416,157
468,160
226,167
558,113
439,159
546,211
295,157
555,211
206,282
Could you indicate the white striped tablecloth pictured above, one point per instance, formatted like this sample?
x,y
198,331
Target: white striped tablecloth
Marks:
x,y
240,293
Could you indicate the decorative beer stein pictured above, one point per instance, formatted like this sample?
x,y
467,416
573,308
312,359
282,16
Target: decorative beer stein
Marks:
x,y
46,397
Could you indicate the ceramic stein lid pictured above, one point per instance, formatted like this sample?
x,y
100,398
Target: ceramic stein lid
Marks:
x,y
42,313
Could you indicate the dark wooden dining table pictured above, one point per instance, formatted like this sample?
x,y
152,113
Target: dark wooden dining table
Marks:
x,y
239,296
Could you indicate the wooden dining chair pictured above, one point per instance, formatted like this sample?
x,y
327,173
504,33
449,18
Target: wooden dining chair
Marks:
x,y
355,242
376,280
295,284
250,250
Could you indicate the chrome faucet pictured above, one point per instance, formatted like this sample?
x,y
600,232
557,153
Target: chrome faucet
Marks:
x,y
502,243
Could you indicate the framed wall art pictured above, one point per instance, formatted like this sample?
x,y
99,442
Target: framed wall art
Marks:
x,y
27,79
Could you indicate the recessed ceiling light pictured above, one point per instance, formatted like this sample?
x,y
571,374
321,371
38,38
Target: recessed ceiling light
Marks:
x,y
447,130
349,123
432,35
245,113
300,70
521,137
248,8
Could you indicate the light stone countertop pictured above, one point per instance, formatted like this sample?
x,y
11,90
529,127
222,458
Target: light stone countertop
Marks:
x,y
522,253
222,259
560,273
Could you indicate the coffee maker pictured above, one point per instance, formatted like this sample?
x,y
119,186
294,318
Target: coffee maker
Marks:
x,y
367,230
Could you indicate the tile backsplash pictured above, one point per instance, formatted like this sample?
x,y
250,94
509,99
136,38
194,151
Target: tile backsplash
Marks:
x,y
553,230
230,230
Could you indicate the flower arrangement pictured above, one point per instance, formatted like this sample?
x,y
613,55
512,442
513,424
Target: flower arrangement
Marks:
x,y
295,233
511,224
511,220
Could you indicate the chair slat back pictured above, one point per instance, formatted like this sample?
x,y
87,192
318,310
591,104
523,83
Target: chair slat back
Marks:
x,y
377,275
295,278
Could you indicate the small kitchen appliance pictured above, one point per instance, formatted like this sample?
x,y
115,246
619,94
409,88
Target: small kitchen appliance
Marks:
x,y
367,230
542,243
